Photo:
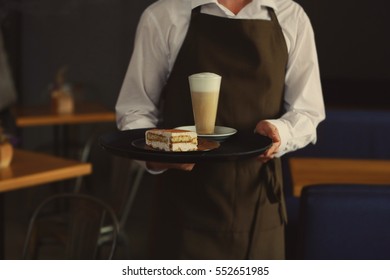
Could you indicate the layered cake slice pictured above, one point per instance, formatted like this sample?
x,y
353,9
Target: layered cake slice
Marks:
x,y
172,140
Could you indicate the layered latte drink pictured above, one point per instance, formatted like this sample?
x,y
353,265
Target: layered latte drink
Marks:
x,y
204,95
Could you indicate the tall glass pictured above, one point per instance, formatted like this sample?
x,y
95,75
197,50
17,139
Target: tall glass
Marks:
x,y
204,89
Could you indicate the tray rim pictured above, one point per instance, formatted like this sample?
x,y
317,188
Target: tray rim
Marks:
x,y
106,142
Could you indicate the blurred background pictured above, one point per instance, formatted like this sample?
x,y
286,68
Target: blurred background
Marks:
x,y
93,40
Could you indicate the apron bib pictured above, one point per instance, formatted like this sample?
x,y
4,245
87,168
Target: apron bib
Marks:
x,y
227,210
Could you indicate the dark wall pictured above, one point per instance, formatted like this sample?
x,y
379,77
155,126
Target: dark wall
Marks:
x,y
94,39
353,43
352,36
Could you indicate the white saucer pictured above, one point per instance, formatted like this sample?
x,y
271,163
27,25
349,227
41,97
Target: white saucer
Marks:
x,y
221,133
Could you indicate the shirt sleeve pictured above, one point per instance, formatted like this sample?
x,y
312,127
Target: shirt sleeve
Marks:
x,y
303,102
137,103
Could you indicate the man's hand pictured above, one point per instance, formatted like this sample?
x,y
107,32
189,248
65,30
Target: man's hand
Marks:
x,y
267,129
160,166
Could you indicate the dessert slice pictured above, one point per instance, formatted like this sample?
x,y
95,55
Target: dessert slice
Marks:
x,y
172,140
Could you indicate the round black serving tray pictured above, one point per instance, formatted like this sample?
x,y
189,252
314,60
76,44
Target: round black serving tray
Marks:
x,y
239,146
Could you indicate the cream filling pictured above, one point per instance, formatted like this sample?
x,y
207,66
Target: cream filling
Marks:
x,y
175,147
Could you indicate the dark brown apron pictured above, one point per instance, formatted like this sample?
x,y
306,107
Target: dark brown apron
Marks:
x,y
227,210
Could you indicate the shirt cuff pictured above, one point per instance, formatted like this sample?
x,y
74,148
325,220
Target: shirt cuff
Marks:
x,y
125,125
284,135
153,172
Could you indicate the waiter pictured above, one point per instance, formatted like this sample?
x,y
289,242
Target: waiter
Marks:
x,y
265,52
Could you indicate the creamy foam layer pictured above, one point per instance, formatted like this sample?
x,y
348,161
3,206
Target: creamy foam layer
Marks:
x,y
205,82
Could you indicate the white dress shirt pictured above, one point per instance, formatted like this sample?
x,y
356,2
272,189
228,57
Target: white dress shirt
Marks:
x,y
160,34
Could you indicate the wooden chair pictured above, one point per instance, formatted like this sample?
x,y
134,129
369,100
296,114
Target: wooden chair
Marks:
x,y
119,179
81,223
114,180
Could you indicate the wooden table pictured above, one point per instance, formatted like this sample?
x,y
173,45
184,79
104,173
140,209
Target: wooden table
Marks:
x,y
309,171
44,115
30,169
